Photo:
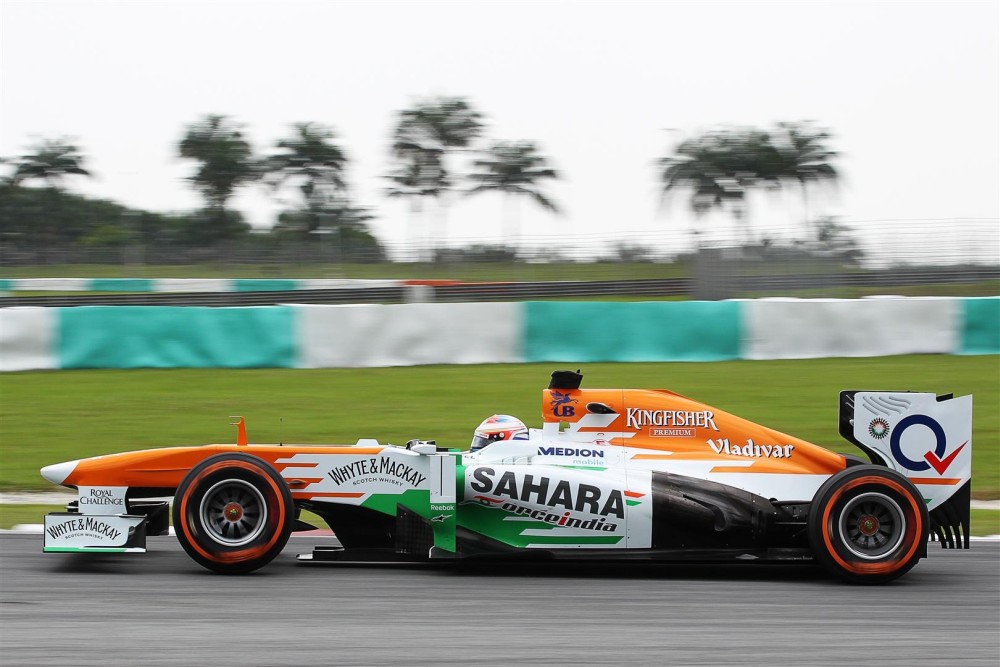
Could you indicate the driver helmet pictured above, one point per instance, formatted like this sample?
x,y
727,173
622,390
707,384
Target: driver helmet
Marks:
x,y
496,428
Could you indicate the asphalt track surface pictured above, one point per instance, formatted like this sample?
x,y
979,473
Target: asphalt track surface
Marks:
x,y
160,608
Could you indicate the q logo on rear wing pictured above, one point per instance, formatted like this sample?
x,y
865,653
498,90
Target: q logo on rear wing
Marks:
x,y
924,437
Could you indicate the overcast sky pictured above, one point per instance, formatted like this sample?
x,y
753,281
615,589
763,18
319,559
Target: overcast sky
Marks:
x,y
911,91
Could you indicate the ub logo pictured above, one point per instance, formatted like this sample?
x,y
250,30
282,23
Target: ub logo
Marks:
x,y
561,404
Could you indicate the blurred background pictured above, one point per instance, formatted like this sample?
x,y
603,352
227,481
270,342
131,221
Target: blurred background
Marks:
x,y
743,149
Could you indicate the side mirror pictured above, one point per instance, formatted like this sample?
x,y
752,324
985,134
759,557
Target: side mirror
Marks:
x,y
422,446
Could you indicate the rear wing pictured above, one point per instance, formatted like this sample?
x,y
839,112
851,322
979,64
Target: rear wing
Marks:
x,y
928,439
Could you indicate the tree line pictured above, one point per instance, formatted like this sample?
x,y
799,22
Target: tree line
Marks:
x,y
713,170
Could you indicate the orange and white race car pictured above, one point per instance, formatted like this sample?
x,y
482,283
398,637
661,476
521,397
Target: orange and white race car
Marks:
x,y
612,473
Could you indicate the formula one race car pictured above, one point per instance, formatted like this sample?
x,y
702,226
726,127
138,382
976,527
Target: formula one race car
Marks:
x,y
629,474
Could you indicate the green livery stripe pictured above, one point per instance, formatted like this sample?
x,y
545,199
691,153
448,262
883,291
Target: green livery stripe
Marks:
x,y
415,500
496,523
443,524
418,501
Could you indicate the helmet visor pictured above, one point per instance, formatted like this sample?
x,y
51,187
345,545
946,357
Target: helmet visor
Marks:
x,y
480,441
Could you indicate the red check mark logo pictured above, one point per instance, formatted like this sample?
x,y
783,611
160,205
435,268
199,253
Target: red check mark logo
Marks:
x,y
942,464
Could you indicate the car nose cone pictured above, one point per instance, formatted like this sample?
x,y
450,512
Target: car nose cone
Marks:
x,y
58,472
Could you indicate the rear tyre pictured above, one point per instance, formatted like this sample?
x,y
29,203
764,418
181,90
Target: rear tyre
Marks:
x,y
868,525
233,513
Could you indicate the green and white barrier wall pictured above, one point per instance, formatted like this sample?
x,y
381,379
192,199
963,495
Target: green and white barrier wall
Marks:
x,y
304,336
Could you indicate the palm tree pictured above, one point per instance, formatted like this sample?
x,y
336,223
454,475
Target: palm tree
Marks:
x,y
719,168
226,163
418,176
806,159
424,136
51,160
309,158
513,168
437,126
701,167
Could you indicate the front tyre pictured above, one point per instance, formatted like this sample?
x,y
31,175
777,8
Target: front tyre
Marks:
x,y
233,513
868,525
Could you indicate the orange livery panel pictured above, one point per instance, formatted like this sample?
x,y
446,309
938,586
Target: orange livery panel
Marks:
x,y
165,468
675,428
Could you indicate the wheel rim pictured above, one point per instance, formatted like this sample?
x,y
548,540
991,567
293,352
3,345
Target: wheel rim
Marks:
x,y
872,525
233,512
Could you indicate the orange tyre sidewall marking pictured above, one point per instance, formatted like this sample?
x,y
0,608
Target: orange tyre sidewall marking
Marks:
x,y
242,554
874,568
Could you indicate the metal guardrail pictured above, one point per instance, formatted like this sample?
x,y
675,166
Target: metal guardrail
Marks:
x,y
887,278
513,291
268,298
